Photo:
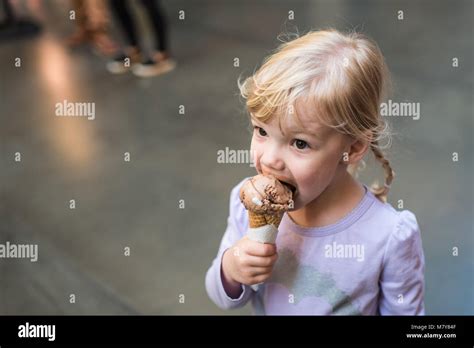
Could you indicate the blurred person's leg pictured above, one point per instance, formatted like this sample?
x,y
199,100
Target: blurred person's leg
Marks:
x,y
124,60
122,13
92,23
98,22
160,61
158,21
80,34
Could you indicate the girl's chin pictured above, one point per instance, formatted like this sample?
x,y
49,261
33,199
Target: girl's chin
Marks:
x,y
297,203
300,202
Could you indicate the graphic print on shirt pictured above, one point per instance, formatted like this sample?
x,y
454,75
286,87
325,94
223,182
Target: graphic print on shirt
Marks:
x,y
304,280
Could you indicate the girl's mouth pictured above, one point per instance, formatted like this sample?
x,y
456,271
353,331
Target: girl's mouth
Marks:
x,y
291,187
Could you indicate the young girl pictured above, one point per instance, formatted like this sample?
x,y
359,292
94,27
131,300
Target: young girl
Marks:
x,y
314,105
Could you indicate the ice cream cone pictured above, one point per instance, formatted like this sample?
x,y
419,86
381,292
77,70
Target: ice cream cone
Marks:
x,y
266,200
256,220
259,220
274,219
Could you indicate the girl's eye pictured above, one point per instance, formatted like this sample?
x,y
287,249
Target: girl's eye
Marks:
x,y
301,144
261,131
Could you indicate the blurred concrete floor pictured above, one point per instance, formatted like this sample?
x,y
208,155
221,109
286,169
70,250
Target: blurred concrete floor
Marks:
x,y
136,204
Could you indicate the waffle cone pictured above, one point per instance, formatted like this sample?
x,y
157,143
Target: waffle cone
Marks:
x,y
259,220
274,219
256,220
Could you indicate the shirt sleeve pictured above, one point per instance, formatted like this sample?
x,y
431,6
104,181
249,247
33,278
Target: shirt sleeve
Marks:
x,y
402,279
237,224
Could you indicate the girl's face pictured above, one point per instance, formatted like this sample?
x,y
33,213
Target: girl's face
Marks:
x,y
308,158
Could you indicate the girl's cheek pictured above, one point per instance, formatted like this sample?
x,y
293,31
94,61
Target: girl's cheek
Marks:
x,y
255,144
310,180
254,149
304,171
306,186
255,153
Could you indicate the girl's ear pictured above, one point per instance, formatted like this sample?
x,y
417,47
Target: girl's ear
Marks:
x,y
358,150
355,151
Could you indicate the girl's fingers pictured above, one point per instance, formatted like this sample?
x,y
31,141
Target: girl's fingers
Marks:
x,y
258,271
256,261
260,249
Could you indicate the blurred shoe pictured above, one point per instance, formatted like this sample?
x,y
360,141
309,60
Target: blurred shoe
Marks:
x,y
152,67
123,62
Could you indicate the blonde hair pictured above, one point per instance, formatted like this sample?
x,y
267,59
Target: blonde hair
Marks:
x,y
344,76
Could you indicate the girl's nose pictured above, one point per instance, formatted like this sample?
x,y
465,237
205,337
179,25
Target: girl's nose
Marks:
x,y
271,158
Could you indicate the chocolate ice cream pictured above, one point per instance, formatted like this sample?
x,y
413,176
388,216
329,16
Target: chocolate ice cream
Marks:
x,y
264,194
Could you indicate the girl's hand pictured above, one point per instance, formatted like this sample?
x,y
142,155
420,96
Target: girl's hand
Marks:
x,y
248,262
